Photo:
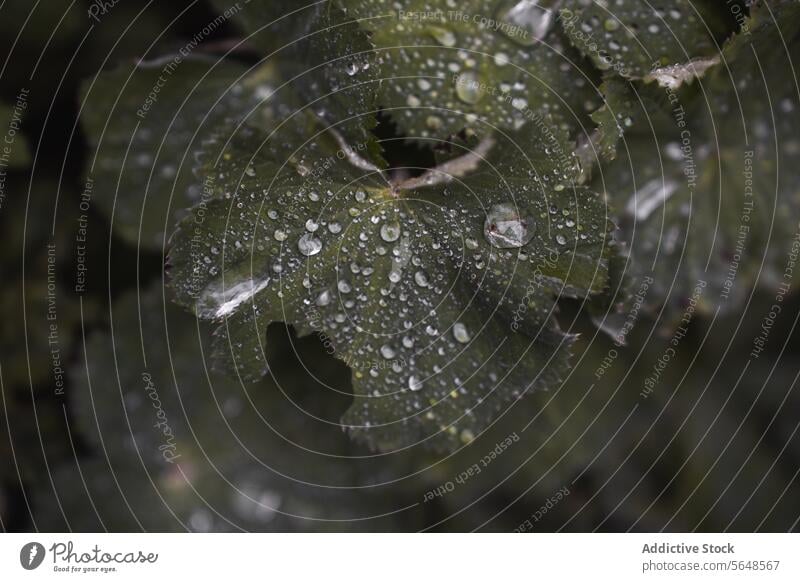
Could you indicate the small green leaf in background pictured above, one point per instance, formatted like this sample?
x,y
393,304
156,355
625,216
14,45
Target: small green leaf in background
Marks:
x,y
146,122
435,69
696,184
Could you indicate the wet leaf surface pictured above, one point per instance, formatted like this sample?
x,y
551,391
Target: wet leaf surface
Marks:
x,y
419,286
715,207
632,38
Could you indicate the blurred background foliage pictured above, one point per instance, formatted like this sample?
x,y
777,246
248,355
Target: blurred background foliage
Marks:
x,y
713,446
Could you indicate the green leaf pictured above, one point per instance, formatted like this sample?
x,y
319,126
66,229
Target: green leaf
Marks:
x,y
145,124
632,38
611,118
323,55
477,65
419,286
706,184
435,70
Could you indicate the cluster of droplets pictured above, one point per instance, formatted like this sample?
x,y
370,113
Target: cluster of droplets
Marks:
x,y
479,70
635,36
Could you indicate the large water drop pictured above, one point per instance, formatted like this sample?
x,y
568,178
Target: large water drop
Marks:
x,y
309,245
468,88
390,231
528,21
506,228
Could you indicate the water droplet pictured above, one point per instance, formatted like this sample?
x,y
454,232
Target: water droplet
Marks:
x,y
414,383
312,225
673,151
433,122
352,69
529,22
468,88
324,298
421,278
519,103
388,352
505,228
390,231
442,35
280,235
561,239
501,59
461,333
309,245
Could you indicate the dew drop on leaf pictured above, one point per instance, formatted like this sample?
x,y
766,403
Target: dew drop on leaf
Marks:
x,y
468,88
413,101
506,229
414,383
461,333
309,245
529,20
390,231
443,36
324,298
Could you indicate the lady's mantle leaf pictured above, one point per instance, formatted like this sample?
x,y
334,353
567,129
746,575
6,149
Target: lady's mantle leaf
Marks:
x,y
145,124
299,228
716,208
476,64
665,41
